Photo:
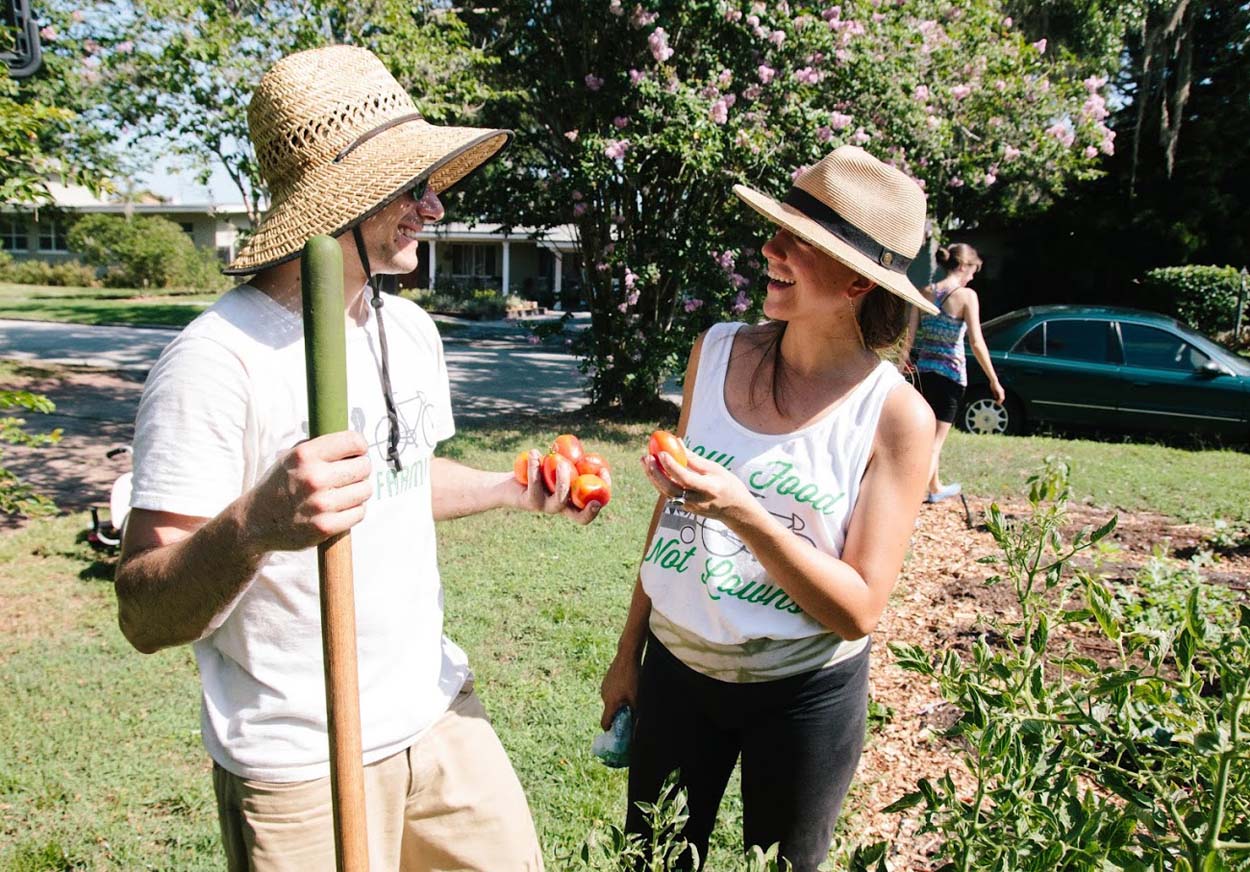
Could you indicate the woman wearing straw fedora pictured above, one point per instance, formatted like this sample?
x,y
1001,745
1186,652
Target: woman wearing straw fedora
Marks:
x,y
230,499
756,641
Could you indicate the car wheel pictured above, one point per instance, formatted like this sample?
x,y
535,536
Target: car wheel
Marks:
x,y
982,415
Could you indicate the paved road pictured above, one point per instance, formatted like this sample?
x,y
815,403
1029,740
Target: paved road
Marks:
x,y
488,377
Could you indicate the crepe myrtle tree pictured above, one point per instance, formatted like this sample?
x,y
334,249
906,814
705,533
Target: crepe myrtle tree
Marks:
x,y
635,119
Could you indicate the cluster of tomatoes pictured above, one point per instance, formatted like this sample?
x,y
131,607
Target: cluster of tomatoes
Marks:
x,y
588,473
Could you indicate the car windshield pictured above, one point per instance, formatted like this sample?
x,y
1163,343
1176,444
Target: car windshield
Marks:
x,y
1235,362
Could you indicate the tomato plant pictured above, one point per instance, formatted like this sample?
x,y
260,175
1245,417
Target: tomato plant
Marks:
x,y
589,488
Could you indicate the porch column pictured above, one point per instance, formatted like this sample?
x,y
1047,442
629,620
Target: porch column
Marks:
x,y
557,277
506,268
433,260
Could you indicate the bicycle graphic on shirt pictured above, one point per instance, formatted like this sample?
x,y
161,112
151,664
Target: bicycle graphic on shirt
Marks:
x,y
718,540
417,424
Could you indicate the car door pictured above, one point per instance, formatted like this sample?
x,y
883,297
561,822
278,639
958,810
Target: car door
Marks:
x,y
1166,387
1066,370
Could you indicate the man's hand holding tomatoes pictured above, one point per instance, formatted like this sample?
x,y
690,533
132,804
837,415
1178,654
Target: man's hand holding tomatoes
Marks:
x,y
707,488
546,487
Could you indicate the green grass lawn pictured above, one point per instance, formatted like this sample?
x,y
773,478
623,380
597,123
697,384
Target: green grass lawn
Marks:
x,y
100,758
125,306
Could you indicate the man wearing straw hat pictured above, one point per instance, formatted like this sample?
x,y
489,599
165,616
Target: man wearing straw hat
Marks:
x,y
231,498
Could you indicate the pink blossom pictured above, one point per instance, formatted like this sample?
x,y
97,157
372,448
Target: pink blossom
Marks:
x,y
692,304
989,179
725,79
1095,107
777,38
921,183
615,8
1000,85
658,40
1094,83
571,135
766,73
741,303
641,18
578,197
956,182
759,7
933,121
631,279
1061,132
1107,146
635,77
842,55
602,267
921,93
1007,22
78,15
733,15
877,18
90,46
802,22
838,121
824,134
1090,152
798,172
593,82
808,76
719,112
1040,45
859,137
753,21
724,260
579,209
1043,85
48,33
730,100
620,122
751,92
616,148
961,91
1010,153
738,280
832,13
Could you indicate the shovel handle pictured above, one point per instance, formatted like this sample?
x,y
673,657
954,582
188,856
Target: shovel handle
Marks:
x,y
325,353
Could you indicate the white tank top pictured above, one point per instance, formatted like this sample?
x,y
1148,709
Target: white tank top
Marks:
x,y
713,604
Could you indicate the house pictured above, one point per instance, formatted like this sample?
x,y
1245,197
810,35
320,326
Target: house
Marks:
x,y
544,266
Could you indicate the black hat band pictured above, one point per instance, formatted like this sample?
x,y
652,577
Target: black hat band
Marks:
x,y
846,231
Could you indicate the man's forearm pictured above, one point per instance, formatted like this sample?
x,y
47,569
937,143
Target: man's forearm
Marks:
x,y
168,595
459,490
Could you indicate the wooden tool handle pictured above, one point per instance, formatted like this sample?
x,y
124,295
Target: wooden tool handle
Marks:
x,y
325,353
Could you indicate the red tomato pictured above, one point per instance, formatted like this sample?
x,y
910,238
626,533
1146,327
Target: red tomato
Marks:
x,y
570,446
551,469
588,489
592,464
662,440
521,468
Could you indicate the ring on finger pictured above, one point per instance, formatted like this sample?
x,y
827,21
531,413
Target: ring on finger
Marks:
x,y
679,500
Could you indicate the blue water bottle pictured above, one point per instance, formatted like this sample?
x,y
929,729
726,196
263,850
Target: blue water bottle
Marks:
x,y
612,745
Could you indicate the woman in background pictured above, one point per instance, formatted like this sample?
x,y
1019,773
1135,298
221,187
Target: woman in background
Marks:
x,y
936,347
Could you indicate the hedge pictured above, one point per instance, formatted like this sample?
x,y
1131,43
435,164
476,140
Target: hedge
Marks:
x,y
1204,297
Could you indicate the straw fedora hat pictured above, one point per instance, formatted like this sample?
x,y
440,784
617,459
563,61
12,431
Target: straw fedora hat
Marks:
x,y
859,211
337,138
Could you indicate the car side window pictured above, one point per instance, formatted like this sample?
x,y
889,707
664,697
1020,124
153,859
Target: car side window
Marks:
x,y
1152,348
1034,341
1079,340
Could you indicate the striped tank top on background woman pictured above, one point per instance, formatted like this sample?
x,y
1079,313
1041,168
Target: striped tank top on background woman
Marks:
x,y
713,604
939,345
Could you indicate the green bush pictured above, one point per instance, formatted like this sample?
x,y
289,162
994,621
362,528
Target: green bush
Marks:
x,y
144,252
69,274
1204,297
477,303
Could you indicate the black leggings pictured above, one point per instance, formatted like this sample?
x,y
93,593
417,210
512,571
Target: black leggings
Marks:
x,y
800,739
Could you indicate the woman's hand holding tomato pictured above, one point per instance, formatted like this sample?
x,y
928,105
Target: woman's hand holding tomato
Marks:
x,y
709,489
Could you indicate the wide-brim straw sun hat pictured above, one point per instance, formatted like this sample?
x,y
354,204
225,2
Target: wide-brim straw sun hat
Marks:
x,y
337,138
860,211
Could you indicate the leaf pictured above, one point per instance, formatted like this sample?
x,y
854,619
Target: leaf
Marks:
x,y
1104,529
910,800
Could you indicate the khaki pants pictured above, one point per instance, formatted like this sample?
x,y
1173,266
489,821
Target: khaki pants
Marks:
x,y
450,801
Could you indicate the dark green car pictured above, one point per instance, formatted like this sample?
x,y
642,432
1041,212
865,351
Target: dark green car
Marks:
x,y
1107,368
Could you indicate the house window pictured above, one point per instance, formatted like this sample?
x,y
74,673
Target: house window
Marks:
x,y
187,227
13,233
473,260
52,236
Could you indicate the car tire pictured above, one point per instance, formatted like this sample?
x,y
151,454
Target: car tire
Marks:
x,y
982,416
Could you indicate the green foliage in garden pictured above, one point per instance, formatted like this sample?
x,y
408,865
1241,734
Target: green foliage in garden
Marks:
x,y
67,274
144,252
670,104
1204,297
1137,762
16,496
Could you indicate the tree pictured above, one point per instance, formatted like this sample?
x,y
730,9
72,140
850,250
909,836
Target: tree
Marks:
x,y
634,121
181,72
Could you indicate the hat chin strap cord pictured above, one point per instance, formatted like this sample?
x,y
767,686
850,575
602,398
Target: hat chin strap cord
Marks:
x,y
392,416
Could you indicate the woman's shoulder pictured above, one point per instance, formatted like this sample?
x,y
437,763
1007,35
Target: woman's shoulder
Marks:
x,y
906,420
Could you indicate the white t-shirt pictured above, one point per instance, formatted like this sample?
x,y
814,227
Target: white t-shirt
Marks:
x,y
229,396
713,604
